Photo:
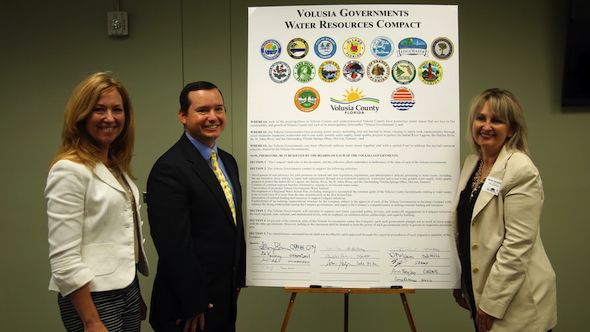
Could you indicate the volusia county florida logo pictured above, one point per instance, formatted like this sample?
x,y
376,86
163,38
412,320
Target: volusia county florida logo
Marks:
x,y
355,102
307,99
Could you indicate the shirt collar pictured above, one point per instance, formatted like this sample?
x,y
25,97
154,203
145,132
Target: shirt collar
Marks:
x,y
203,149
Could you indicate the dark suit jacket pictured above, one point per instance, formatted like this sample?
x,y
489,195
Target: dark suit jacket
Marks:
x,y
201,252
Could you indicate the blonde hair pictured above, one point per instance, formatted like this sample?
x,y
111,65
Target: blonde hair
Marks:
x,y
504,106
76,142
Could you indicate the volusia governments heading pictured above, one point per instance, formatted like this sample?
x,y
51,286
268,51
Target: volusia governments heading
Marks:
x,y
391,19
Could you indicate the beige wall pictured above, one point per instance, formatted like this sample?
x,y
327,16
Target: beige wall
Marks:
x,y
48,46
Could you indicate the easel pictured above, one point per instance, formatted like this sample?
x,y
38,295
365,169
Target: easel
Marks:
x,y
347,291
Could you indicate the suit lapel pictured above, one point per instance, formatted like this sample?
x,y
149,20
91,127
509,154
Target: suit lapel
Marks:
x,y
103,173
497,172
203,171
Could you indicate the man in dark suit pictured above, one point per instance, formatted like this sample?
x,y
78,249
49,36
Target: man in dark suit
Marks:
x,y
196,222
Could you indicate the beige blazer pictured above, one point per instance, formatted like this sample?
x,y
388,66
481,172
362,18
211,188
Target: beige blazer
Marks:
x,y
90,224
512,277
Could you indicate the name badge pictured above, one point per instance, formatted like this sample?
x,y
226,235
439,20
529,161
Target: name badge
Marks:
x,y
492,185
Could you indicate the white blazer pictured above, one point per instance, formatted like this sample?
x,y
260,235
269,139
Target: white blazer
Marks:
x,y
91,229
512,277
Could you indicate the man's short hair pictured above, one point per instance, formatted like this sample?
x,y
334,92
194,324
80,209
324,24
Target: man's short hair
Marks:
x,y
194,86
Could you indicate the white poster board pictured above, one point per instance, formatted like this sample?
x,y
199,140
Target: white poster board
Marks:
x,y
353,145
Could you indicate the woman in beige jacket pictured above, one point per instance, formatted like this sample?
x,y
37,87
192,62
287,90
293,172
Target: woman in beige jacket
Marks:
x,y
507,281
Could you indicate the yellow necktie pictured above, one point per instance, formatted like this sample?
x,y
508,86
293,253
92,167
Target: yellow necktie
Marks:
x,y
224,185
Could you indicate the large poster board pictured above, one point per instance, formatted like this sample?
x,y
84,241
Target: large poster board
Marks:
x,y
353,145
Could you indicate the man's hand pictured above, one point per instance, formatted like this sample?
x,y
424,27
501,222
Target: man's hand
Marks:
x,y
460,299
190,325
142,310
483,321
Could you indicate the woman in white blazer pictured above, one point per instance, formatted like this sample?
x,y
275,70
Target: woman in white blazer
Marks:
x,y
507,281
95,236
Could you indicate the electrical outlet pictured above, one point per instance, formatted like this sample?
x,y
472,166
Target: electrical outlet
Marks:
x,y
117,24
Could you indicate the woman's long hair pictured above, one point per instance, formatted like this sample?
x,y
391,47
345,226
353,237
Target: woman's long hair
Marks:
x,y
76,143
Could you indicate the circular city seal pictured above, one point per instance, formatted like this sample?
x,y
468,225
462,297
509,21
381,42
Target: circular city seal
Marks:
x,y
307,99
403,72
279,72
412,46
402,99
329,71
353,47
353,71
430,72
304,71
297,48
382,47
325,47
442,48
378,70
270,49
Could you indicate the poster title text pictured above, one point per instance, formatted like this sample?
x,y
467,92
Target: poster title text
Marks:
x,y
389,19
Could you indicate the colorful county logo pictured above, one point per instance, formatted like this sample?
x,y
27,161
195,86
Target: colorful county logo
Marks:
x,y
324,47
353,102
430,72
304,71
442,48
279,72
382,47
378,70
403,72
353,71
329,71
412,46
307,99
353,47
297,48
270,49
402,99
